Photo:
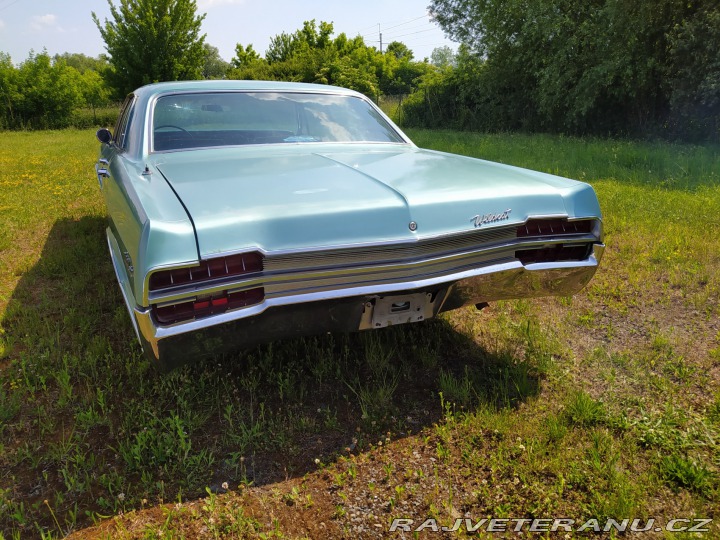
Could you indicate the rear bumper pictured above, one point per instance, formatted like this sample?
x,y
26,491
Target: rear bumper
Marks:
x,y
350,309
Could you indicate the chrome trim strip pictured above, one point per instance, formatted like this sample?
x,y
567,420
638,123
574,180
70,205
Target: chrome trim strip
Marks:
x,y
385,243
544,279
393,251
124,283
344,276
409,243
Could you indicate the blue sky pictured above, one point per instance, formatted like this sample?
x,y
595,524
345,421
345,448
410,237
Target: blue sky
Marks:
x,y
66,25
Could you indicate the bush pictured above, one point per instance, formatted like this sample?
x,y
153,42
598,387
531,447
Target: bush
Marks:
x,y
46,93
101,117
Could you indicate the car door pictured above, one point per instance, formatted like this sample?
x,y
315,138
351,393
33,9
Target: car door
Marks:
x,y
125,218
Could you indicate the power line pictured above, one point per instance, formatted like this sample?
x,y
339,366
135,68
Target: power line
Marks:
x,y
366,27
429,44
8,5
420,41
407,22
411,28
412,33
390,22
398,25
423,29
424,37
415,27
404,23
427,41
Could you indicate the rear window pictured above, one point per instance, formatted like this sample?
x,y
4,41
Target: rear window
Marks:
x,y
238,118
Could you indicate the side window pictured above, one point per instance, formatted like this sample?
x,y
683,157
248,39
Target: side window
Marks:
x,y
124,121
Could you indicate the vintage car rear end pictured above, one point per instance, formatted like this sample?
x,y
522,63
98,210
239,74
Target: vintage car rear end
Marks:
x,y
243,212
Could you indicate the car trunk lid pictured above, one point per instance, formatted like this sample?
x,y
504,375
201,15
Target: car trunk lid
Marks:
x,y
287,199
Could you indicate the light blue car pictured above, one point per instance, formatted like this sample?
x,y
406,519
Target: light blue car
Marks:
x,y
242,212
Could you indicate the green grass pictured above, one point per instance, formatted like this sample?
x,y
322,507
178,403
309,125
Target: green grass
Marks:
x,y
604,405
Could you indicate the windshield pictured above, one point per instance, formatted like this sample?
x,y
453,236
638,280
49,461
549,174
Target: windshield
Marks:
x,y
236,118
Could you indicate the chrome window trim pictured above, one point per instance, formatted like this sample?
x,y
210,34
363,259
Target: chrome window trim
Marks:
x,y
150,117
124,123
278,145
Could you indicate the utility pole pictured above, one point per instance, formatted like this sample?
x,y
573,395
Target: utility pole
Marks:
x,y
379,32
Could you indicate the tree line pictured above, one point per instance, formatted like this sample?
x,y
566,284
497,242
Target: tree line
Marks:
x,y
599,67
313,55
159,40
43,91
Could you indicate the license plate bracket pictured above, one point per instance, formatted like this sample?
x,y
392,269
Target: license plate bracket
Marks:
x,y
401,309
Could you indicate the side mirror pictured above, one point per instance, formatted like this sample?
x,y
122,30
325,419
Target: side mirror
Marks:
x,y
104,135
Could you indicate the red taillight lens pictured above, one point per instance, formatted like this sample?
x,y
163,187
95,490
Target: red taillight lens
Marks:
x,y
554,227
174,313
245,298
233,265
197,309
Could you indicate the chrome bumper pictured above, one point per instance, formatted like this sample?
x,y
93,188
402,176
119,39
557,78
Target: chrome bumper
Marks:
x,y
347,309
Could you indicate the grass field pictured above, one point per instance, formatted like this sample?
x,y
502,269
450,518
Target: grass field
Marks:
x,y
604,405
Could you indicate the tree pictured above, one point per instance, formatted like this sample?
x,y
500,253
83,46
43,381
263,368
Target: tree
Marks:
x,y
310,37
694,81
94,91
281,47
49,92
312,55
151,41
214,67
442,57
399,50
248,64
83,62
9,91
600,66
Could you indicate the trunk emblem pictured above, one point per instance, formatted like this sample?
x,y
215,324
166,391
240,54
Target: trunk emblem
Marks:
x,y
482,219
413,226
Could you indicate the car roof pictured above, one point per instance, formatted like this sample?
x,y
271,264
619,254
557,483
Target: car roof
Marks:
x,y
225,85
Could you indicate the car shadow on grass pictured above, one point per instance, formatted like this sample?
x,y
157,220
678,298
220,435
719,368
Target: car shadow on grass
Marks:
x,y
89,425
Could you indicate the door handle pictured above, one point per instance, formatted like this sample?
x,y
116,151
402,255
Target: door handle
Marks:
x,y
102,172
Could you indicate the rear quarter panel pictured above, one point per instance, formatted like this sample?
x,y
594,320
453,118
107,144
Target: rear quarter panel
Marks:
x,y
147,220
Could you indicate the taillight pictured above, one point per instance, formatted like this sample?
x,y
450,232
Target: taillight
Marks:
x,y
230,266
206,306
554,227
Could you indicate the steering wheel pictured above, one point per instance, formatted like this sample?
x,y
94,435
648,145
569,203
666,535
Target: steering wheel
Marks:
x,y
172,126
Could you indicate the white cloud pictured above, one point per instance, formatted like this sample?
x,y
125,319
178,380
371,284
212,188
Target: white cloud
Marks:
x,y
2,24
207,4
44,22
